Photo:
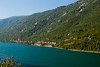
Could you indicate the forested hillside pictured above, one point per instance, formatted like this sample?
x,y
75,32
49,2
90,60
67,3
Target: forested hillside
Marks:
x,y
75,26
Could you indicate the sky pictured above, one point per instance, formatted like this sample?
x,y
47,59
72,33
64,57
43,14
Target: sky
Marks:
x,y
10,8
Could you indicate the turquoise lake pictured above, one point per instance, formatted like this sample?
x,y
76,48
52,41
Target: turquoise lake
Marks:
x,y
33,56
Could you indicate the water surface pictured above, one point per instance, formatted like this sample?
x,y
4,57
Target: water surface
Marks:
x,y
33,56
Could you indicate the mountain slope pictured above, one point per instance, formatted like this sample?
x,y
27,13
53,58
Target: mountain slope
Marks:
x,y
75,26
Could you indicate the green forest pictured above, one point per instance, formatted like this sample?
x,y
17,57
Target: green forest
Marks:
x,y
75,26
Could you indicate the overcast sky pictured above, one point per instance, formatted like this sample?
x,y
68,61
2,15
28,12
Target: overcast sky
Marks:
x,y
10,8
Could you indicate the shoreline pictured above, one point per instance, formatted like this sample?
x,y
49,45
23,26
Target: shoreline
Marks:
x,y
75,50
84,51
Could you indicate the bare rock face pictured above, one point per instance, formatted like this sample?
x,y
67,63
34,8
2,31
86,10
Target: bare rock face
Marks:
x,y
81,7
